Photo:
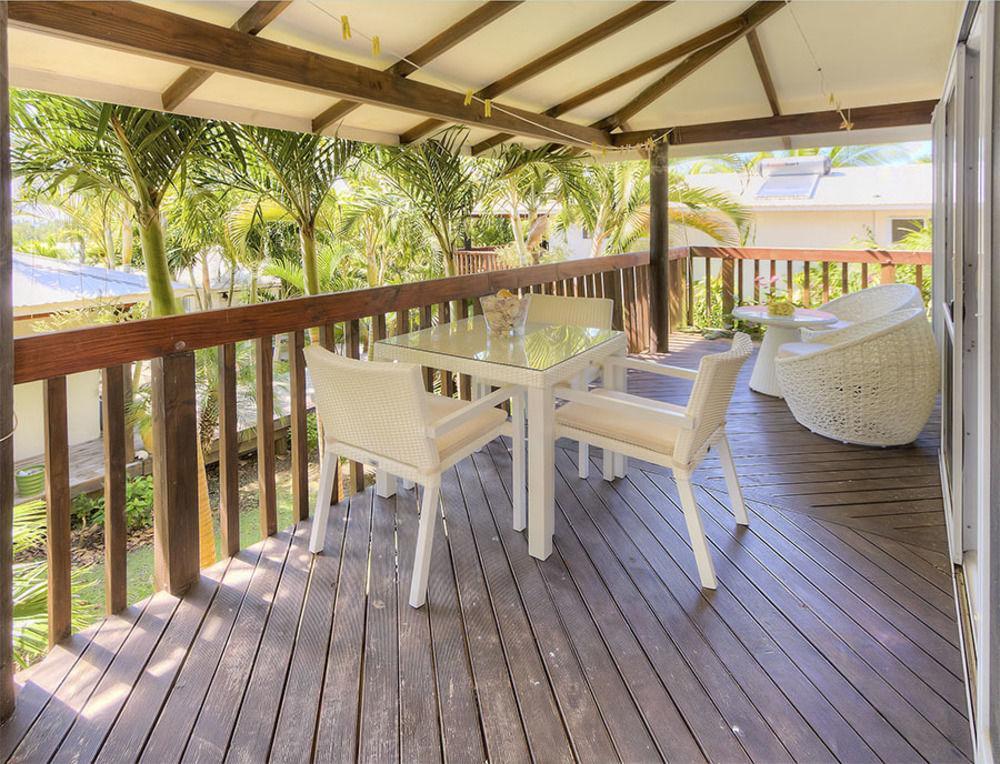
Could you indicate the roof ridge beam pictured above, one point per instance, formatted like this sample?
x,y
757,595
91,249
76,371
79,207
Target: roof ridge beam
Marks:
x,y
144,30
465,27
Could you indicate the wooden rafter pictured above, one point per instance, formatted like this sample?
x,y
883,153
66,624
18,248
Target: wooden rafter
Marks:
x,y
764,72
543,63
449,38
143,30
864,118
660,60
260,14
752,18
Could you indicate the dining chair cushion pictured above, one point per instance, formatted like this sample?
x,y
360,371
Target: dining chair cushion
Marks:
x,y
795,349
439,406
625,425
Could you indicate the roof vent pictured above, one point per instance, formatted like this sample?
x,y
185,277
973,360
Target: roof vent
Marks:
x,y
791,177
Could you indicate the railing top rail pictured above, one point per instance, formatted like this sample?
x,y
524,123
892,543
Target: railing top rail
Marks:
x,y
44,356
813,254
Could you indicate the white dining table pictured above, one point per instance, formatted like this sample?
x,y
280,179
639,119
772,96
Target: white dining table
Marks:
x,y
546,355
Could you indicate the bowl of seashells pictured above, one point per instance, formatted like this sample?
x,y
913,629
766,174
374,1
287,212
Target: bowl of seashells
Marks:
x,y
505,313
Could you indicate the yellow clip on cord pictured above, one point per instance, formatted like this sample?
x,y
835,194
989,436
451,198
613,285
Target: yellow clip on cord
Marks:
x,y
376,46
488,107
345,27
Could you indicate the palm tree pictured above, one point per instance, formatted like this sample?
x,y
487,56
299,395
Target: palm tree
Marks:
x,y
293,173
531,183
614,207
840,156
439,183
135,154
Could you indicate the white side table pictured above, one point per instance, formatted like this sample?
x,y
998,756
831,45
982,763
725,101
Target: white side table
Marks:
x,y
780,329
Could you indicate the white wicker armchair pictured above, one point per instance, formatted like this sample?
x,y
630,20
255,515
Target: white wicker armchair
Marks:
x,y
676,437
873,383
865,305
380,414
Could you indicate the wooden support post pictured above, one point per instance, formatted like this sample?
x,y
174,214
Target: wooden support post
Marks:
x,y
267,499
826,282
659,247
300,444
845,281
708,288
6,396
464,380
864,275
612,291
690,289
887,275
229,457
756,281
728,287
175,472
115,523
57,508
426,321
807,284
790,279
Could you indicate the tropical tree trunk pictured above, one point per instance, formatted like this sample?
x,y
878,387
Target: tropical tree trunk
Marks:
x,y
154,253
307,235
127,242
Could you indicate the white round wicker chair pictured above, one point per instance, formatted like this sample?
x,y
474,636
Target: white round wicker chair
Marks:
x,y
872,383
865,305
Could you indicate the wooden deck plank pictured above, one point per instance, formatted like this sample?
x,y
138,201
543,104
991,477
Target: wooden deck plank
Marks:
x,y
419,722
832,634
140,712
378,737
180,710
210,737
292,736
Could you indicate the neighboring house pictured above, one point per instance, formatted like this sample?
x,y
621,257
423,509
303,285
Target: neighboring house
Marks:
x,y
805,207
43,286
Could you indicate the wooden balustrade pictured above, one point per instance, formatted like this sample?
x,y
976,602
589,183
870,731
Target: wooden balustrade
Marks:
x,y
357,318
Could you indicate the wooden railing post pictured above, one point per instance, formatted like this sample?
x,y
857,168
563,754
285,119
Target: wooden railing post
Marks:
x,y
300,445
727,287
175,472
6,396
115,521
57,508
659,245
229,457
267,498
677,284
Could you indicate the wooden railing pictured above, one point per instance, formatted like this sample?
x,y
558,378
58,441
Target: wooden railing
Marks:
x,y
478,260
740,270
346,322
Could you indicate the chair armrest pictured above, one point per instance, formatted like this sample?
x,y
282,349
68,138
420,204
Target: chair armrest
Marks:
x,y
652,367
450,422
667,414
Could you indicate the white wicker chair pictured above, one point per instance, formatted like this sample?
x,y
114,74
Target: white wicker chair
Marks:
x,y
380,414
865,305
672,436
873,383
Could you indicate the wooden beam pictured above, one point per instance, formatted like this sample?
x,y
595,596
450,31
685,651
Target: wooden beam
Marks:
x,y
764,73
143,30
658,61
750,19
260,14
465,27
115,431
863,118
57,508
6,394
659,242
546,61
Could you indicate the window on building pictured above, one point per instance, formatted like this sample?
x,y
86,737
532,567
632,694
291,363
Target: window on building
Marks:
x,y
903,227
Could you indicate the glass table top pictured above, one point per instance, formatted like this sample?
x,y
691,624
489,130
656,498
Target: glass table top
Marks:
x,y
542,346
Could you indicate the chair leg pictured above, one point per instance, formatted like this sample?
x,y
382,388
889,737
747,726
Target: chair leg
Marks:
x,y
519,458
696,532
385,484
608,463
579,382
732,482
327,476
425,539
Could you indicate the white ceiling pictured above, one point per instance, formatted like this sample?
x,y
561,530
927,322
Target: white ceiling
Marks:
x,y
871,52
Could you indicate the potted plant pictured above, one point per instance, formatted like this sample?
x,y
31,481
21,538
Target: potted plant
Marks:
x,y
777,304
30,481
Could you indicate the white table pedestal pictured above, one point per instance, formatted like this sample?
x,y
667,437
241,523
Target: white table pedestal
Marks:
x,y
764,379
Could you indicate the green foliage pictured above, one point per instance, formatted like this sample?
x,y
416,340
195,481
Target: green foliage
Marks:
x,y
88,509
31,588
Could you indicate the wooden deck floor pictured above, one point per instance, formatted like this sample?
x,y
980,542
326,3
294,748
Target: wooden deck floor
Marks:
x,y
832,635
